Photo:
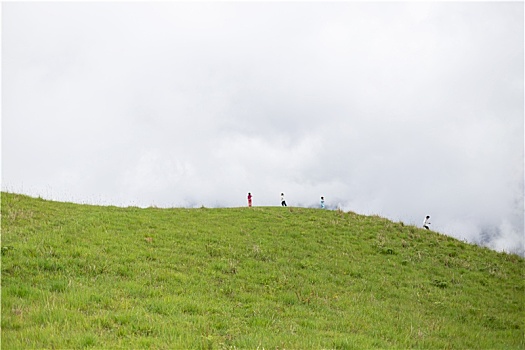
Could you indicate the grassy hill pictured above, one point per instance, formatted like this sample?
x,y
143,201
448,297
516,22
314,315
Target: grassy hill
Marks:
x,y
80,276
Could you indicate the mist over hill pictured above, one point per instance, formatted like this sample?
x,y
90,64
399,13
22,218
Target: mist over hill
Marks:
x,y
396,109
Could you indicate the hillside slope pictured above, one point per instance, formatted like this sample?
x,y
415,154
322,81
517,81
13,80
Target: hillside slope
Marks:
x,y
79,276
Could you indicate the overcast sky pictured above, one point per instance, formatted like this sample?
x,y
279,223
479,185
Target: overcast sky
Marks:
x,y
391,108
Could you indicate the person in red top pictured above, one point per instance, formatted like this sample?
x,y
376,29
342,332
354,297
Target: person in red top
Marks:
x,y
249,199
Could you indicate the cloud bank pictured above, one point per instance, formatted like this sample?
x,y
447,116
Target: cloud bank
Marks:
x,y
396,109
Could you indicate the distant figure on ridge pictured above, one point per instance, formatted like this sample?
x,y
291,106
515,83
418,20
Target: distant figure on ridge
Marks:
x,y
426,222
283,202
249,199
322,202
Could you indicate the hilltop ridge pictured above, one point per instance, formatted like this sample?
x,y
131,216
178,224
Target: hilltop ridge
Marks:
x,y
269,277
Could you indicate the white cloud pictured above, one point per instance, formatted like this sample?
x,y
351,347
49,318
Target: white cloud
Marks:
x,y
396,109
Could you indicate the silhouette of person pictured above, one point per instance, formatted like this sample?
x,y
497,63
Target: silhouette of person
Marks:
x,y
249,199
322,202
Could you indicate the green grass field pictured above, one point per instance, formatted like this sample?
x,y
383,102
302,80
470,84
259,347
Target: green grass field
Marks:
x,y
79,276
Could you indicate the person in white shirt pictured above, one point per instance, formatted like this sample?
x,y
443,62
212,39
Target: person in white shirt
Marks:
x,y
283,202
426,222
322,202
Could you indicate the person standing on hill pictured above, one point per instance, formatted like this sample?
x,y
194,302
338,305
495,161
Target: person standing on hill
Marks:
x,y
283,202
249,199
426,222
322,202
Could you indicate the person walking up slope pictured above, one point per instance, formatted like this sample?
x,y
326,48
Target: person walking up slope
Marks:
x,y
322,202
249,199
283,202
426,222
